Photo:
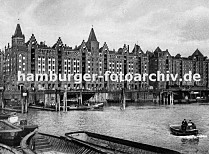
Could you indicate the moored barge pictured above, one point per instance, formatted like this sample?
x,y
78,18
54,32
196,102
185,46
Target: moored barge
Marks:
x,y
111,144
40,143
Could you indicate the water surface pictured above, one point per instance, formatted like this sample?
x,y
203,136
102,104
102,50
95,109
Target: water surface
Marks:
x,y
146,124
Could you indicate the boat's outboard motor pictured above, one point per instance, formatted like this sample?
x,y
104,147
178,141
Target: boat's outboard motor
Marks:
x,y
23,122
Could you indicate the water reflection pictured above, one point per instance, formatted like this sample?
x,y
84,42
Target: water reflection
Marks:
x,y
193,141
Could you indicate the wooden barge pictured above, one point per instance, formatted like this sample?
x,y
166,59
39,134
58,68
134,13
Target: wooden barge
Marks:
x,y
113,145
40,143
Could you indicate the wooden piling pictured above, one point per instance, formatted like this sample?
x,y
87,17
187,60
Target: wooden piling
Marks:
x,y
65,100
171,98
2,100
58,101
26,104
45,99
81,97
22,105
163,98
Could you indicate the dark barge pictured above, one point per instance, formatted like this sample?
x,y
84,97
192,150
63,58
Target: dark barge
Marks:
x,y
109,144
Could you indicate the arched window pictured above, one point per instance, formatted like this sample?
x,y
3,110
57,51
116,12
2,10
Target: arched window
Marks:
x,y
20,62
20,58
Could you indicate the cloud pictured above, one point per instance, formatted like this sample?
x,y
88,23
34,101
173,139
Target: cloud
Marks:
x,y
93,10
176,25
195,24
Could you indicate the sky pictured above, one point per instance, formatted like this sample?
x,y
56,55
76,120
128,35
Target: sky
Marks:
x,y
181,26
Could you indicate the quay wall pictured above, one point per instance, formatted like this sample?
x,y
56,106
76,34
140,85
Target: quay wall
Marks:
x,y
135,96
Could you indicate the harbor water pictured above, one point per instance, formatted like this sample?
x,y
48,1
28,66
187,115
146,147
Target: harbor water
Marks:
x,y
145,124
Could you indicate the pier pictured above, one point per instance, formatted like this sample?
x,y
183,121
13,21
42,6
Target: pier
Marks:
x,y
58,100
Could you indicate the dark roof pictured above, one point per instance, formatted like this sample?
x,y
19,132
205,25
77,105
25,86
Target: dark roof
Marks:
x,y
92,36
27,43
137,49
158,49
120,50
18,32
100,50
197,53
165,52
149,52
111,52
59,41
178,55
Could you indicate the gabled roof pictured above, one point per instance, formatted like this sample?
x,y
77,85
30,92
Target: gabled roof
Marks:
x,y
18,32
137,49
92,36
166,52
32,39
158,49
120,50
59,42
197,53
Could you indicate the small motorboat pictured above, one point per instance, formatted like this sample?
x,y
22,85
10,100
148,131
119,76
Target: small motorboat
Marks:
x,y
22,124
26,129
9,134
12,131
177,130
109,144
36,142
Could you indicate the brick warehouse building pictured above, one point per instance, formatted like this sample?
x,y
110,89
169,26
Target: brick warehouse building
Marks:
x,y
33,57
163,61
88,57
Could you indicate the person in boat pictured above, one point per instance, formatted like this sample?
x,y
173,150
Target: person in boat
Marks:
x,y
184,125
191,125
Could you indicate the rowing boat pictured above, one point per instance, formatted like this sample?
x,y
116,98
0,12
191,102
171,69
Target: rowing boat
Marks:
x,y
4,149
109,144
40,143
86,107
177,130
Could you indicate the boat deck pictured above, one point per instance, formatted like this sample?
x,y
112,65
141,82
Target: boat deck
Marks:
x,y
51,152
113,145
46,144
49,145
